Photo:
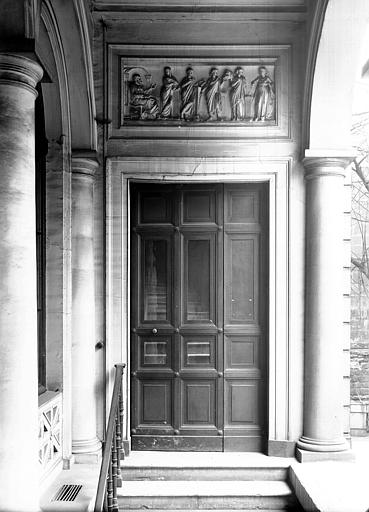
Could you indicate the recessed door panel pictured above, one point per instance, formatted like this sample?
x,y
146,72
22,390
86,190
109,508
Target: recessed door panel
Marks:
x,y
199,206
242,206
242,263
198,403
198,351
154,351
242,403
156,262
155,399
198,316
155,207
242,351
199,281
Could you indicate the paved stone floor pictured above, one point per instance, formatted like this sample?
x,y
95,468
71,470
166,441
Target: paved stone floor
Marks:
x,y
337,486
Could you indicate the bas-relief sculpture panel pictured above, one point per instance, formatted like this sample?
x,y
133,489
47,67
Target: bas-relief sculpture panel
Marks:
x,y
177,92
204,92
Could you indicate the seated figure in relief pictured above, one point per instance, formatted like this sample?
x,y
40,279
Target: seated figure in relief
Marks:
x,y
142,103
263,95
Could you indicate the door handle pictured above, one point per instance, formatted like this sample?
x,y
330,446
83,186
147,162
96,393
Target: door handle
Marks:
x,y
154,331
220,374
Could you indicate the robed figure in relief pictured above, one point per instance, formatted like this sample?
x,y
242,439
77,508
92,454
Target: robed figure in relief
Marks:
x,y
211,88
188,88
170,84
263,95
238,95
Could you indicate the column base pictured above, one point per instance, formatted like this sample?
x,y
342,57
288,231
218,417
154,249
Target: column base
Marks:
x,y
308,456
87,452
315,450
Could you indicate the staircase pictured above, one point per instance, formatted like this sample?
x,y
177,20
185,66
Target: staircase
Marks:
x,y
202,481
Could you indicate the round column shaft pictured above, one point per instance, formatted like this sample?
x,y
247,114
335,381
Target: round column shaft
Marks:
x,y
323,400
19,465
84,441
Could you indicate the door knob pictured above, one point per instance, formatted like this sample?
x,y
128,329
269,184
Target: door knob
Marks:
x,y
154,331
220,374
176,374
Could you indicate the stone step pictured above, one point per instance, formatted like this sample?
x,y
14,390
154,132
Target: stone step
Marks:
x,y
205,495
205,473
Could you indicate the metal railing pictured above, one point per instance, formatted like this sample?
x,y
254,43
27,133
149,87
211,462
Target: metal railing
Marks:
x,y
110,475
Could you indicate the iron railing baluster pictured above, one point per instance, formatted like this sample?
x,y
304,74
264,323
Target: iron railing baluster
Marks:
x,y
110,474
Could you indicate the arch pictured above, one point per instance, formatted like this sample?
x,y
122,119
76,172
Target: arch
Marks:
x,y
71,23
338,63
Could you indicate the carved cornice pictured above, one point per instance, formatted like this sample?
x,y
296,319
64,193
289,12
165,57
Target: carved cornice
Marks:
x,y
20,71
84,163
201,5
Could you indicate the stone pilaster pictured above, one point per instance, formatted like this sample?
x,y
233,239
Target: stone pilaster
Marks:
x,y
19,466
322,437
85,444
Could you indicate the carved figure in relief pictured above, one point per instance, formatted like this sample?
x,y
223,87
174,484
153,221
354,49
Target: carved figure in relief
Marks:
x,y
238,95
142,103
188,95
263,95
170,84
211,88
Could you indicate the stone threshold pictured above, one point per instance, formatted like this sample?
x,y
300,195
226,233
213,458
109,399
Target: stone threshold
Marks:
x,y
204,460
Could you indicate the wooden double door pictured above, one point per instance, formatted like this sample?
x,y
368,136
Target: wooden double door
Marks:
x,y
199,317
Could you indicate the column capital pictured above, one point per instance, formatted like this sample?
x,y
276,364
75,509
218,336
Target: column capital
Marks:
x,y
84,162
20,71
326,163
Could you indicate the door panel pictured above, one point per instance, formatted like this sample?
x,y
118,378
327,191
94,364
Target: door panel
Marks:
x,y
241,260
156,279
245,301
155,401
198,320
199,279
198,351
198,403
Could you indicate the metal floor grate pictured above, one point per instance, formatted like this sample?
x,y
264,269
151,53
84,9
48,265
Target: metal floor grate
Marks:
x,y
67,492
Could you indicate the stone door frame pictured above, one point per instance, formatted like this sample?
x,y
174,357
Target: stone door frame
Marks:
x,y
120,172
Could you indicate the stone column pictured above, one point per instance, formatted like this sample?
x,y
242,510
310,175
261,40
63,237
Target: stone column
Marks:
x,y
19,466
322,437
85,444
